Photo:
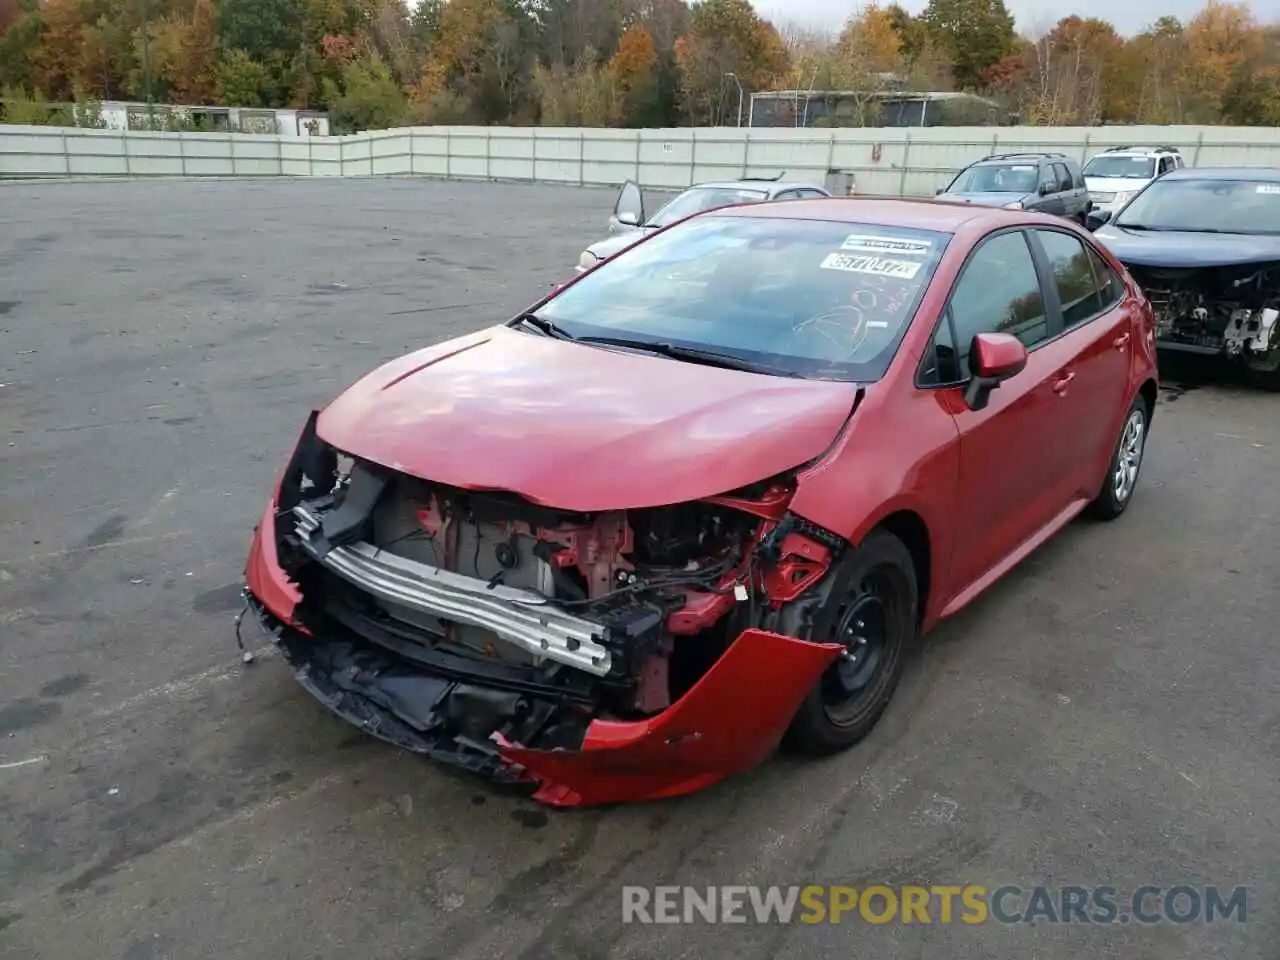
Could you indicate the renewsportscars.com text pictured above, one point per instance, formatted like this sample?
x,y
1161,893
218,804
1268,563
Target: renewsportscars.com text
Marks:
x,y
940,904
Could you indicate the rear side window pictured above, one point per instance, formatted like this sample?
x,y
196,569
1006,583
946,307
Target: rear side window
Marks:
x,y
998,292
1110,286
1073,276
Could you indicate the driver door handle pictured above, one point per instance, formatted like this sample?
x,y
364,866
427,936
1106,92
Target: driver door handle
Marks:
x,y
1060,385
1121,341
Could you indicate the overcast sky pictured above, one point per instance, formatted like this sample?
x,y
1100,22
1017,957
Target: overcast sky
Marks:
x,y
1032,17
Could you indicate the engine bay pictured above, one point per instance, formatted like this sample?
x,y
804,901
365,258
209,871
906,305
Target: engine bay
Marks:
x,y
1228,309
545,619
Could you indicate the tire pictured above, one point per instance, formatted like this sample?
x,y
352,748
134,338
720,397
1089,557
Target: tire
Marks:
x,y
1117,488
873,587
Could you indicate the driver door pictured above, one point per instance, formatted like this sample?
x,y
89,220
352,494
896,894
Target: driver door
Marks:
x,y
628,210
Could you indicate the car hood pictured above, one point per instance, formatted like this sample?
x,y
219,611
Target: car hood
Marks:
x,y
987,199
578,427
1115,184
619,242
1159,248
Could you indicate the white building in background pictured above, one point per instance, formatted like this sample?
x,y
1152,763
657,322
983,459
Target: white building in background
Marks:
x,y
123,115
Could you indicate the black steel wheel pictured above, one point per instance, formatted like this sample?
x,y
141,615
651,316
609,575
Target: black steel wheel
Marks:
x,y
871,609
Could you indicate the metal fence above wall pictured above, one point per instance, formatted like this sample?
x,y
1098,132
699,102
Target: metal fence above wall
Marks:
x,y
876,160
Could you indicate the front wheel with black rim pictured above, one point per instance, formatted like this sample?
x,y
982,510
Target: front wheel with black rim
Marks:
x,y
1126,463
870,609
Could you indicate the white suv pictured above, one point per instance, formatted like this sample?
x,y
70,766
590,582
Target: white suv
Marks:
x,y
1115,175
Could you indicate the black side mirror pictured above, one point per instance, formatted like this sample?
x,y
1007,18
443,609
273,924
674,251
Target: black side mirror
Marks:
x,y
1097,218
993,359
1045,189
940,191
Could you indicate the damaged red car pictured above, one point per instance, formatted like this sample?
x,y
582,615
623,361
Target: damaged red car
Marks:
x,y
701,499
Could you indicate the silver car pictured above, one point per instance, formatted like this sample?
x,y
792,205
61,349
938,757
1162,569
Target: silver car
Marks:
x,y
629,225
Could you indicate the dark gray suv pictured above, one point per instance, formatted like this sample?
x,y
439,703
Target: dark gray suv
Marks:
x,y
1043,182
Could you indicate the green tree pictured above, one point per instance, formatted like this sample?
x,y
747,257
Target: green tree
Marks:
x,y
975,35
18,45
243,82
370,98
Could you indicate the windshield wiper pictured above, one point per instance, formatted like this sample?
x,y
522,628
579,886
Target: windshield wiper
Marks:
x,y
544,326
711,358
1138,226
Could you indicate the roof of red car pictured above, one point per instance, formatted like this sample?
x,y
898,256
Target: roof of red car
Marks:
x,y
945,216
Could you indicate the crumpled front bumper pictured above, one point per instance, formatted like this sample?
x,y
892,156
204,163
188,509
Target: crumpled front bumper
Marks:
x,y
729,721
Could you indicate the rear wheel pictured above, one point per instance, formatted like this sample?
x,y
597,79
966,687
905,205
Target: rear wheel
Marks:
x,y
1126,464
870,609
1264,372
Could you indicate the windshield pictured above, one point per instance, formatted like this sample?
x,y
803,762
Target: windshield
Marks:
x,y
1208,206
809,298
997,178
1128,168
703,198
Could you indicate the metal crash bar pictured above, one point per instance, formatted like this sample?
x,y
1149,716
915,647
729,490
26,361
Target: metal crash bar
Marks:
x,y
521,617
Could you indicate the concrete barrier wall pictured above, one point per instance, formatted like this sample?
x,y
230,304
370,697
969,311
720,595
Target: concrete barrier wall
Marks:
x,y
880,160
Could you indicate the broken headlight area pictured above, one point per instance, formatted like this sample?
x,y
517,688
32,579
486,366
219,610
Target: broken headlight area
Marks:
x,y
449,621
1228,309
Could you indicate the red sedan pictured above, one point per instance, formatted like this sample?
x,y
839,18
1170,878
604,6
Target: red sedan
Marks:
x,y
703,497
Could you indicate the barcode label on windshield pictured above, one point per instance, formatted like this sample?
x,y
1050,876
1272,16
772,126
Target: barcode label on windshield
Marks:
x,y
879,266
1269,188
865,243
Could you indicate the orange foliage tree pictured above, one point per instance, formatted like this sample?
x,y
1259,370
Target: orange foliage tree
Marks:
x,y
727,44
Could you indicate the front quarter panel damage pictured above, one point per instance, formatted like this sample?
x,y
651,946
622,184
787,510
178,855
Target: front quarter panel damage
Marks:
x,y
729,721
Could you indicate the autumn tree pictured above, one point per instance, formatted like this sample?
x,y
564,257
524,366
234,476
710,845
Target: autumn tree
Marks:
x,y
1222,40
1253,96
481,57
974,34
666,21
726,42
1070,71
866,61
634,70
1155,73
55,61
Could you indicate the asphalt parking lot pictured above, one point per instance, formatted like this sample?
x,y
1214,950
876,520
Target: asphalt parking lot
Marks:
x,y
1107,715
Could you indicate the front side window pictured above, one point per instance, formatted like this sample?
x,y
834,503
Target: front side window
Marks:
x,y
1126,168
699,199
813,298
1064,176
999,292
1205,206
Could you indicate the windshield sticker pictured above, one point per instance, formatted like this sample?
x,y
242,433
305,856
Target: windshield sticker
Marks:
x,y
865,243
1269,188
879,266
1022,167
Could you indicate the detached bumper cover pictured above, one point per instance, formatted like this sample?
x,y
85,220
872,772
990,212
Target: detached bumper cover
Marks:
x,y
729,721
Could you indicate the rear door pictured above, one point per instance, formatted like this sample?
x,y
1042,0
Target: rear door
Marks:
x,y
1013,479
1097,333
1067,190
1052,199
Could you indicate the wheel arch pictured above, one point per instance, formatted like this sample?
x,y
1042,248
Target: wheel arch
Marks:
x,y
909,527
1150,392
